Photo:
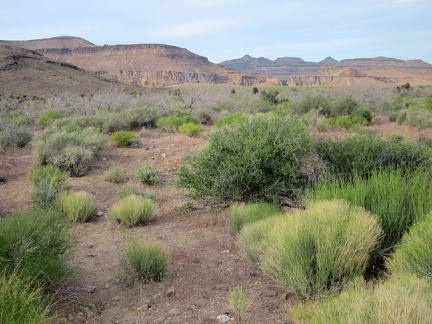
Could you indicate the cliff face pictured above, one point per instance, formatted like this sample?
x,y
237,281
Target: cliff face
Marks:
x,y
149,65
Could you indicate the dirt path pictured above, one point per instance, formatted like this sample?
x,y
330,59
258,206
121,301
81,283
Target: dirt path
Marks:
x,y
205,262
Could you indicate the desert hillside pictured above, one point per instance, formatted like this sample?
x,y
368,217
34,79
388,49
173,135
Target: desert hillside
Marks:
x,y
54,42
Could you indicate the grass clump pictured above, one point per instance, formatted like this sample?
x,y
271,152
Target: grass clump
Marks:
x,y
21,301
134,188
402,300
413,256
148,174
315,252
169,123
124,139
77,206
398,201
115,174
241,214
132,210
231,119
48,182
37,245
48,117
260,159
144,261
191,129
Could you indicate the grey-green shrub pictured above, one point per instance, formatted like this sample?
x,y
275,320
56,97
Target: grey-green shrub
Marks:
x,y
14,135
399,300
48,182
69,147
78,206
397,200
132,210
115,174
240,214
314,252
37,244
147,174
144,261
48,117
260,159
413,256
21,301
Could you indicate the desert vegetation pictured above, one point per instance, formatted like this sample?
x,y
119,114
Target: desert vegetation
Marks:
x,y
315,196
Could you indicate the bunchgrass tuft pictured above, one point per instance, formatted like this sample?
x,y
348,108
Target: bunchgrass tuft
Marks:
x,y
414,253
135,188
48,182
401,300
77,206
148,174
144,261
242,214
314,252
116,174
132,210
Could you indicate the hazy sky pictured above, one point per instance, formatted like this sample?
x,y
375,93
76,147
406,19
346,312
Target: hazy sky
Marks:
x,y
228,29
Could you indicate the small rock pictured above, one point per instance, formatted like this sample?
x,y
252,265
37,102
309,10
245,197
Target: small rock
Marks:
x,y
89,288
99,213
91,255
170,292
144,302
92,306
196,260
147,148
223,318
225,251
107,286
174,312
163,155
156,298
90,314
116,298
90,245
270,293
189,307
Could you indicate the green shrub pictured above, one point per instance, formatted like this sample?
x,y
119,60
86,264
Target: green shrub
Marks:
x,y
404,300
170,123
115,174
77,206
414,254
21,301
144,261
191,129
189,119
132,210
346,105
231,119
315,251
14,135
398,201
242,214
48,117
319,103
270,96
13,116
148,174
138,117
133,188
124,138
48,182
70,147
37,245
350,123
362,154
256,160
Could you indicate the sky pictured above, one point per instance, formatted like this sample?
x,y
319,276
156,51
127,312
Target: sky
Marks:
x,y
229,29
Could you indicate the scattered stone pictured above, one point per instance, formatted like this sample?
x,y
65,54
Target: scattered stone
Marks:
x,y
92,306
90,245
89,289
99,213
170,292
270,293
225,251
144,302
196,260
116,298
224,318
91,255
147,148
90,314
107,286
189,307
163,155
174,312
156,298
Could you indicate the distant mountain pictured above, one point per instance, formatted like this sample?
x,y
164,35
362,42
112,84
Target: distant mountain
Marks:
x,y
287,67
147,65
24,71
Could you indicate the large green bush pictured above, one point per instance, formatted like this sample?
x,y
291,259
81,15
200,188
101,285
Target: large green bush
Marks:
x,y
362,154
402,300
70,147
397,200
124,138
414,254
315,251
232,119
260,159
37,245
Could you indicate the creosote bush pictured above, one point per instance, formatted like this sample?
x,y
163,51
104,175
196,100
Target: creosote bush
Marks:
x,y
116,174
132,210
399,300
124,139
232,119
191,129
48,117
413,256
260,159
144,261
148,174
242,214
14,135
77,206
314,252
170,123
48,182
